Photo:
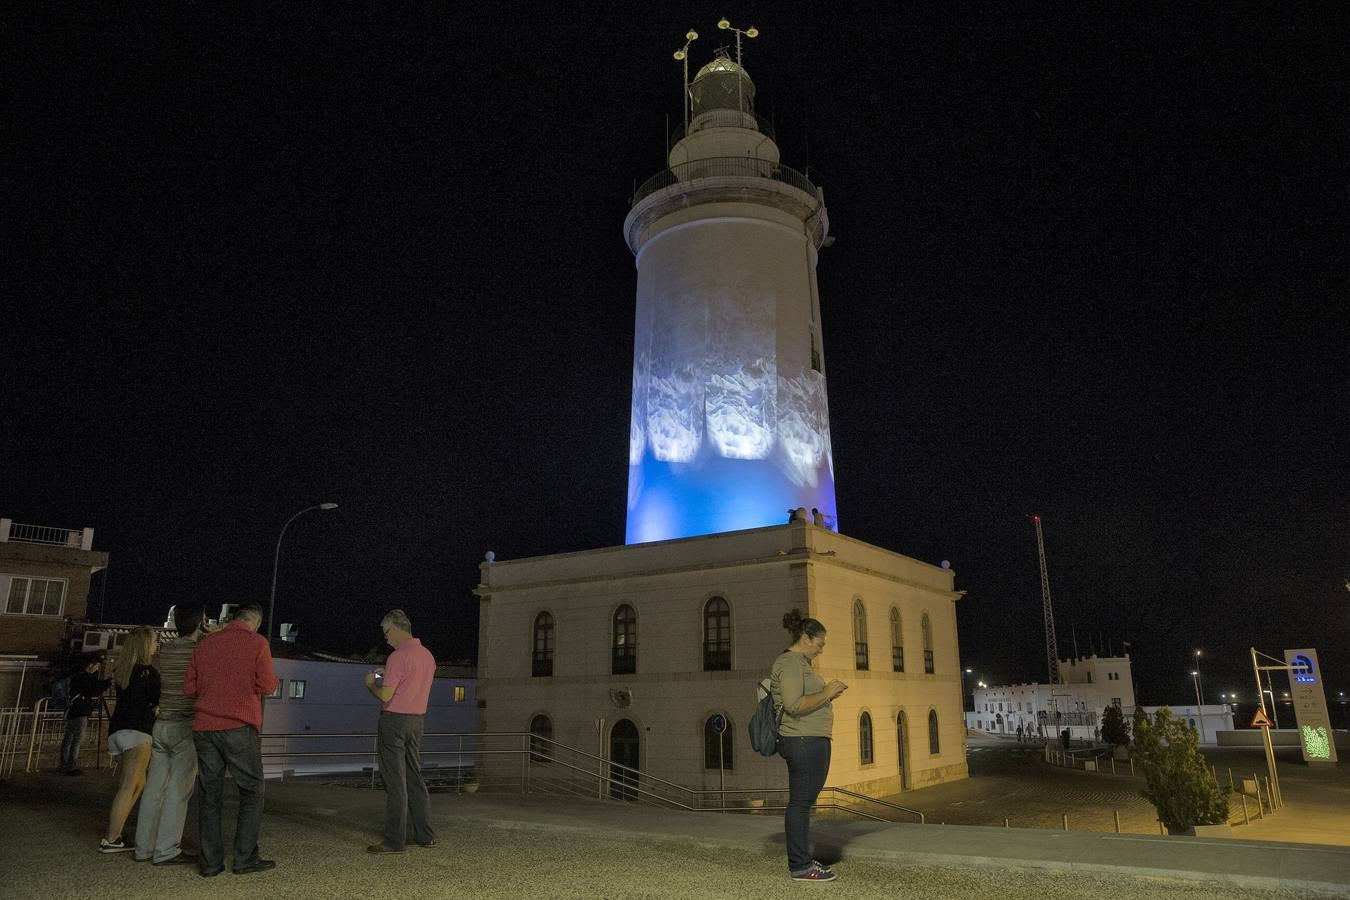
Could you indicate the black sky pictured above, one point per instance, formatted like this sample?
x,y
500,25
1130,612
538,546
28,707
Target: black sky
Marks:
x,y
1091,263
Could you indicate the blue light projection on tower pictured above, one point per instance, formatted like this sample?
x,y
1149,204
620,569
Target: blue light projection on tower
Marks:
x,y
730,422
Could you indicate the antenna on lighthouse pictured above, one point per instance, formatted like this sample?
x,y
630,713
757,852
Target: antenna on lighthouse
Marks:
x,y
682,55
1047,611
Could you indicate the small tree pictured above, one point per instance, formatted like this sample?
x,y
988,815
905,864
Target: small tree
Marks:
x,y
1115,730
1180,784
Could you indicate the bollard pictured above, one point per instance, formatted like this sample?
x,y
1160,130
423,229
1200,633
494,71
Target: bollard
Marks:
x,y
1270,796
1260,813
1005,821
1066,821
1113,764
1131,766
1246,820
1230,778
1116,812
1161,830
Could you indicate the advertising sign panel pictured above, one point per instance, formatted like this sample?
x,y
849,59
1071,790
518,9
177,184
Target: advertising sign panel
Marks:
x,y
1310,706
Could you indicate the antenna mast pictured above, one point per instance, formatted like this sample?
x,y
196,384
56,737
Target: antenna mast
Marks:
x,y
1047,611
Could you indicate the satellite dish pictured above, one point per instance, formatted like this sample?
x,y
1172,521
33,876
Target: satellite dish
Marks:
x,y
490,556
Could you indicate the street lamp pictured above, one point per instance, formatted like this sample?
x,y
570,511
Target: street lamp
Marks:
x,y
276,560
1199,707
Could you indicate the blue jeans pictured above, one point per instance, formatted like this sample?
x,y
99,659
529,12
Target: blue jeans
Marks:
x,y
240,750
808,762
70,742
168,787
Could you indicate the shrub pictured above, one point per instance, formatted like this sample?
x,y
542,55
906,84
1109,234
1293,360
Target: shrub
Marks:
x,y
1180,784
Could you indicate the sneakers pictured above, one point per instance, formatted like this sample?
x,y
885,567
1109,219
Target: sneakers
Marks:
x,y
113,846
817,872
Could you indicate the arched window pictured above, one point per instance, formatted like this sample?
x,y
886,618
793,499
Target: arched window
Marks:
x,y
932,732
927,645
541,739
716,635
717,745
897,643
865,739
624,657
541,662
859,636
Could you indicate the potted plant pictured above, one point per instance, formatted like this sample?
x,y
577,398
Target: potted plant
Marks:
x,y
470,783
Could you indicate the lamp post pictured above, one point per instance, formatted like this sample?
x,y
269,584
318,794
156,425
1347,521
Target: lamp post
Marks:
x,y
276,561
1199,707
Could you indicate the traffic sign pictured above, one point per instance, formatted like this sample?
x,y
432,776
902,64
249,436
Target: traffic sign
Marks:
x,y
1261,720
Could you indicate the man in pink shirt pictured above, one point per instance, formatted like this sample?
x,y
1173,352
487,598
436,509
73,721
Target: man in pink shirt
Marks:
x,y
402,687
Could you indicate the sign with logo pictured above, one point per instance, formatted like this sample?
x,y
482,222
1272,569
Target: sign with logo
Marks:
x,y
1310,706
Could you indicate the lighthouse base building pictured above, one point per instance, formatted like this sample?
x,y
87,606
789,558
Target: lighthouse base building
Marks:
x,y
640,653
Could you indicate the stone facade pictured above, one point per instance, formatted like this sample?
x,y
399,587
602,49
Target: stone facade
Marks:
x,y
670,695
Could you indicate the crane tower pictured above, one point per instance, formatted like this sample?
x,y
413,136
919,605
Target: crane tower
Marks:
x,y
1047,610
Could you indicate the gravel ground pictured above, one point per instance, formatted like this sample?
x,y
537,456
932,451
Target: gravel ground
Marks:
x,y
49,854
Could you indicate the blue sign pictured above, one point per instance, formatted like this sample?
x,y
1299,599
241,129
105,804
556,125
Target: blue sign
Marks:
x,y
1303,670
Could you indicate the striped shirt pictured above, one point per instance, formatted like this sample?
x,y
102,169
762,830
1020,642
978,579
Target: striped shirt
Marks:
x,y
172,662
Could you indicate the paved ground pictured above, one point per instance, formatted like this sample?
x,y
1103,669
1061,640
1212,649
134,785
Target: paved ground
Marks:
x,y
506,846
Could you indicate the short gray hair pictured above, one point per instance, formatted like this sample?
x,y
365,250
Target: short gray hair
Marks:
x,y
397,618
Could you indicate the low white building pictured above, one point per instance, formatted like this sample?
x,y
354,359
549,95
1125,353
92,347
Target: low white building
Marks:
x,y
1090,684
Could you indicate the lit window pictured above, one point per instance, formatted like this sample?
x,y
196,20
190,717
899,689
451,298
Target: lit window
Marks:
x,y
34,596
865,739
459,693
623,659
297,690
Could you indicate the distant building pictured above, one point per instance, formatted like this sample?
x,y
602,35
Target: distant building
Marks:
x,y
1091,683
44,586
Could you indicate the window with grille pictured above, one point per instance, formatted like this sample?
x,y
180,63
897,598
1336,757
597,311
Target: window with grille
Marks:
x,y
859,636
897,643
717,635
541,739
933,732
865,739
296,689
717,747
541,663
624,644
927,645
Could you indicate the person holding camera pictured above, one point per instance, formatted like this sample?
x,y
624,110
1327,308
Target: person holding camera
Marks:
x,y
808,720
402,688
85,690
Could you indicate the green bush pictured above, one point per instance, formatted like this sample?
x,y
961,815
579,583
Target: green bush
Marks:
x,y
1180,783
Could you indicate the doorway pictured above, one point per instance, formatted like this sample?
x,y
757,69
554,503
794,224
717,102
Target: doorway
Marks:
x,y
625,760
902,740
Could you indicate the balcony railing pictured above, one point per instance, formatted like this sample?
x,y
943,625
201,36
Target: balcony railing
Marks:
x,y
724,167
18,533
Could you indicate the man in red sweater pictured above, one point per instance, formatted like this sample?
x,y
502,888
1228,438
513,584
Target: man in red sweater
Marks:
x,y
229,674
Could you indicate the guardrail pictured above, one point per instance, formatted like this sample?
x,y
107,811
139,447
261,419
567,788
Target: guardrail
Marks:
x,y
724,167
527,763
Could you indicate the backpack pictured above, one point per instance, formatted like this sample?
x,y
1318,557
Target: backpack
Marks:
x,y
764,724
61,692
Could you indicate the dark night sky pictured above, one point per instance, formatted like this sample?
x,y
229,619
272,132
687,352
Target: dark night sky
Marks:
x,y
1091,263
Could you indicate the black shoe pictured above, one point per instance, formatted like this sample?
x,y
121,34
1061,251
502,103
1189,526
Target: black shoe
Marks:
x,y
182,859
430,843
256,865
210,873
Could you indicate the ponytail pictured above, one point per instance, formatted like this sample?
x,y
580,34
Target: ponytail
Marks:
x,y
797,625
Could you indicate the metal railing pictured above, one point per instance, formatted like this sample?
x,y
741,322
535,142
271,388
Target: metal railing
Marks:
x,y
44,534
724,167
518,761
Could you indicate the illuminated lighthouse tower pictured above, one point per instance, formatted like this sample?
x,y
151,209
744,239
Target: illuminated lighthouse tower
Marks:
x,y
730,425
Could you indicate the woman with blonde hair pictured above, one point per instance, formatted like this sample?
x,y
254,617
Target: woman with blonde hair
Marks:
x,y
130,729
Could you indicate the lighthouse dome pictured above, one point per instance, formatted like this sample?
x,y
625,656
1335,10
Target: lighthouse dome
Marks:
x,y
722,84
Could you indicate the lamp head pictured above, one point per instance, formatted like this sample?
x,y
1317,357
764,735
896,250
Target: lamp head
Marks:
x,y
680,54
327,506
692,35
723,24
752,31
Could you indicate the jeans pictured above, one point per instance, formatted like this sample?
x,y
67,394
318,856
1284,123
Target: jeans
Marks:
x,y
808,762
240,750
168,786
405,793
70,742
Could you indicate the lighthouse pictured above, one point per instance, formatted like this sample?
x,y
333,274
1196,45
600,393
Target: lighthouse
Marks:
x,y
730,424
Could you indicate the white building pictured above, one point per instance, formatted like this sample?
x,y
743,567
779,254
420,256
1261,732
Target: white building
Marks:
x,y
1090,684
